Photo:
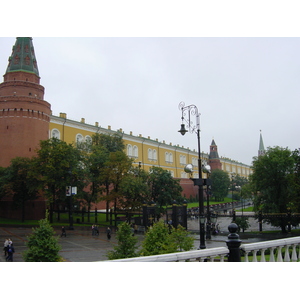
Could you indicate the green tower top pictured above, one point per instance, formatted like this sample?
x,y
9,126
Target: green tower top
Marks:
x,y
23,57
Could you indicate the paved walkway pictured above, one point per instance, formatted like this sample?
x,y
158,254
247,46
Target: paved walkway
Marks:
x,y
81,246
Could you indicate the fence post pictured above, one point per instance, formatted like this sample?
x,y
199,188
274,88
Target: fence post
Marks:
x,y
260,218
233,244
289,218
145,216
184,213
174,214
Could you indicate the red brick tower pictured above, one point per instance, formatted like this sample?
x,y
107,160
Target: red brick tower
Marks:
x,y
24,114
214,160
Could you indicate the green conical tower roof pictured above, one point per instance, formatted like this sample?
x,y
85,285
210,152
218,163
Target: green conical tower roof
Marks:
x,y
23,57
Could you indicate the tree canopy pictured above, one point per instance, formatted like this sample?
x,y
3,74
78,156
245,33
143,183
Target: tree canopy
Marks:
x,y
101,171
220,184
58,165
20,183
275,182
163,187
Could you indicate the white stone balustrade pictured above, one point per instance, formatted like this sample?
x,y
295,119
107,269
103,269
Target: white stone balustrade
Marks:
x,y
195,255
219,253
273,245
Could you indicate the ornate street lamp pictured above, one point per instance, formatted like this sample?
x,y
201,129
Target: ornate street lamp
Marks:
x,y
187,111
207,170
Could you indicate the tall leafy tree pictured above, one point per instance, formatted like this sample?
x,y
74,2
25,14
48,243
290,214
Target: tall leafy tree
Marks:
x,y
220,184
20,182
134,189
163,187
116,169
294,191
58,165
99,157
112,142
95,162
271,180
236,184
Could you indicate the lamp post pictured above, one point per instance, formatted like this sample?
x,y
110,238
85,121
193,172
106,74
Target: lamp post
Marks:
x,y
187,111
207,170
232,206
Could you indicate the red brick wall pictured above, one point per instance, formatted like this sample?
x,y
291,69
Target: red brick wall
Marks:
x,y
189,189
24,116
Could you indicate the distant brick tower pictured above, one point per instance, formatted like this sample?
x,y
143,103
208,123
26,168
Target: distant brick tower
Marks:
x,y
24,115
214,160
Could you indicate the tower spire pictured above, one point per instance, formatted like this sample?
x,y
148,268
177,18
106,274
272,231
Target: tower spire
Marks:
x,y
23,57
24,114
261,149
214,160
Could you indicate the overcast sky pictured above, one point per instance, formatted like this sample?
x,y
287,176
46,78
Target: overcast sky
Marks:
x,y
240,86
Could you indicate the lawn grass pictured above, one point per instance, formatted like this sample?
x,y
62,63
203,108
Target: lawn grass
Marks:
x,y
249,209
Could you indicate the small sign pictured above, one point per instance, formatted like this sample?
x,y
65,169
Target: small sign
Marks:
x,y
74,190
68,190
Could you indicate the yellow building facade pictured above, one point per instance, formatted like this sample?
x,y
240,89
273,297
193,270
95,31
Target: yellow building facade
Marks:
x,y
144,150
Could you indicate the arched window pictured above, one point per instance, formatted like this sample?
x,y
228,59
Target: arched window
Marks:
x,y
154,155
167,157
79,138
150,154
88,139
129,150
194,161
55,133
135,152
182,159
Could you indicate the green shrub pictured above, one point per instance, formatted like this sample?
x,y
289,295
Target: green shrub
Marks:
x,y
126,243
43,246
160,240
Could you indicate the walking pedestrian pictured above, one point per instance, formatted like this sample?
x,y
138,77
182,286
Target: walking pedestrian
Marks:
x,y
93,229
63,232
108,233
5,247
96,230
10,252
